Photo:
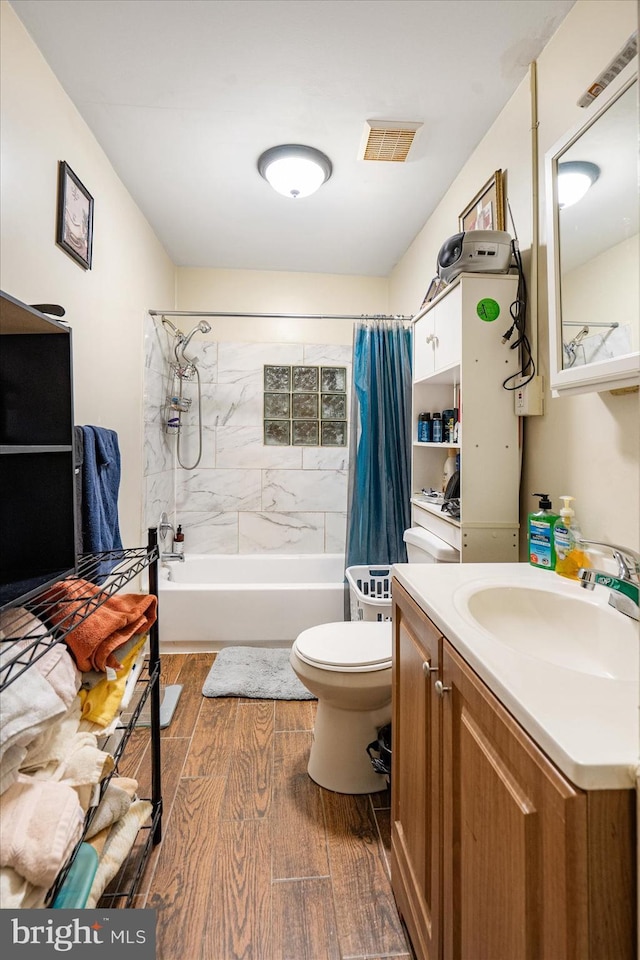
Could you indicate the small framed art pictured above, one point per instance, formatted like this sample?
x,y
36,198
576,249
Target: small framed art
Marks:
x,y
487,209
74,231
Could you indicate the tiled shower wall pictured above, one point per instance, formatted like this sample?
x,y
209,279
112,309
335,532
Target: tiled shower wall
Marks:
x,y
243,496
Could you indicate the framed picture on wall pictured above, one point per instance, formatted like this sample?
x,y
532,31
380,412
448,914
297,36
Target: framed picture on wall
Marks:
x,y
74,229
487,209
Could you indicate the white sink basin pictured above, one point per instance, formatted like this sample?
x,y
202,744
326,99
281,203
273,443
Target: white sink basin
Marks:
x,y
569,631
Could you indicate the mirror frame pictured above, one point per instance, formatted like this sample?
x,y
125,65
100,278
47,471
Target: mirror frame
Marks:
x,y
603,375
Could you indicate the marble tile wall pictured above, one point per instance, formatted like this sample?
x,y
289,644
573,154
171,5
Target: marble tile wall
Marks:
x,y
243,496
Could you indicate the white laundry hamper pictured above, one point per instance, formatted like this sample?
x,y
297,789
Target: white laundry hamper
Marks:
x,y
370,592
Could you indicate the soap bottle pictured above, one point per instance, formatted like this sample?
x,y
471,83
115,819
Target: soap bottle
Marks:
x,y
540,529
570,557
178,540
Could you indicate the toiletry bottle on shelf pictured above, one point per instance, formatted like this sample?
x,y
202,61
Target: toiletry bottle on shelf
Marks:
x,y
424,427
178,540
436,427
570,556
449,420
450,467
540,529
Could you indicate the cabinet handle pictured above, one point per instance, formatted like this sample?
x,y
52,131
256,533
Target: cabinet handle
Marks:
x,y
427,668
441,689
432,339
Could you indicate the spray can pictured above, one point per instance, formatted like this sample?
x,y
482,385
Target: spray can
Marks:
x,y
436,428
424,427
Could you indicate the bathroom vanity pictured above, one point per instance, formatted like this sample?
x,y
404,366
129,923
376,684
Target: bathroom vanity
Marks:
x,y
513,800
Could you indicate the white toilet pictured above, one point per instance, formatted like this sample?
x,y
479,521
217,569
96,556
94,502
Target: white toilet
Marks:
x,y
347,666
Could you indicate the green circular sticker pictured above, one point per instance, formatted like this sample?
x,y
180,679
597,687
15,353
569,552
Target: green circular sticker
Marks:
x,y
487,309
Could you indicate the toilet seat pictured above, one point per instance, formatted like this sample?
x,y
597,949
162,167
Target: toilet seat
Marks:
x,y
348,647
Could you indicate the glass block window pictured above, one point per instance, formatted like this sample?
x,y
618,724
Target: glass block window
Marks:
x,y
305,406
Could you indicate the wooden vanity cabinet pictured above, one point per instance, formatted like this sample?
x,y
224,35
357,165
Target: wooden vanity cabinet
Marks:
x,y
506,859
416,776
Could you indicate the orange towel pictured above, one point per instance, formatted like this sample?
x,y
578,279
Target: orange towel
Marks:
x,y
93,640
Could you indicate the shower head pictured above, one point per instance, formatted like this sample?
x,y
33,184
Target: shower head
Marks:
x,y
201,327
181,346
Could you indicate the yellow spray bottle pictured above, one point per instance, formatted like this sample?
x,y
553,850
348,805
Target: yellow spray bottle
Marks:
x,y
570,556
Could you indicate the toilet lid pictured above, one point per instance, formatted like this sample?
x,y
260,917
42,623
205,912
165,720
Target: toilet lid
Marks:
x,y
349,646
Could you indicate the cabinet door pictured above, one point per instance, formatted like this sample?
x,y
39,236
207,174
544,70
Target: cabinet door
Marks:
x,y
415,788
448,330
514,835
424,346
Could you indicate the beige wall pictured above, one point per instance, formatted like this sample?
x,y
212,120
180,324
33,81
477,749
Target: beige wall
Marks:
x,y
105,306
585,445
241,291
589,445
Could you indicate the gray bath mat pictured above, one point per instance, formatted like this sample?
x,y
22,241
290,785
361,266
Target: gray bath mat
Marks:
x,y
259,673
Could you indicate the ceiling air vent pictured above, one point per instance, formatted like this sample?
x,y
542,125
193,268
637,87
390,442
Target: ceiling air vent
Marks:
x,y
387,140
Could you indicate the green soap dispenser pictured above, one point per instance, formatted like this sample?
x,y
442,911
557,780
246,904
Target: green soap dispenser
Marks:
x,y
540,534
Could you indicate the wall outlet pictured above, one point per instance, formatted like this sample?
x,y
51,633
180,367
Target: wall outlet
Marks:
x,y
529,397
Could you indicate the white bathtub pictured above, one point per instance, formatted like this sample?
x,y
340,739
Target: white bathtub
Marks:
x,y
211,601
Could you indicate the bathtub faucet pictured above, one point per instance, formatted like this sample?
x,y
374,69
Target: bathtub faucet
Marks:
x,y
166,557
165,528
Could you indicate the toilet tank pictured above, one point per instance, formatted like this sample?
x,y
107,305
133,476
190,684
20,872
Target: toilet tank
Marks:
x,y
424,547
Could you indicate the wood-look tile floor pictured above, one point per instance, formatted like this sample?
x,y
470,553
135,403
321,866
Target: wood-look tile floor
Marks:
x,y
256,861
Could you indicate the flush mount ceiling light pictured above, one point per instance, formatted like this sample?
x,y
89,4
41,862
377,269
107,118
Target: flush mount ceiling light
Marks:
x,y
294,170
574,179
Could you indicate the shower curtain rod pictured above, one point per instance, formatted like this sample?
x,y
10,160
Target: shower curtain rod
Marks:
x,y
279,316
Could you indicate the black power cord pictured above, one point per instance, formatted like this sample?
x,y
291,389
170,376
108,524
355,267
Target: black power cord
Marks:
x,y
518,311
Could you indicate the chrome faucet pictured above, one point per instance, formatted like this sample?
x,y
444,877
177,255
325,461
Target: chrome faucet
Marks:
x,y
624,588
164,528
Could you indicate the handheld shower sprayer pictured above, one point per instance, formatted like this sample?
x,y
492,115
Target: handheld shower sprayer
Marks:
x,y
202,327
185,364
184,369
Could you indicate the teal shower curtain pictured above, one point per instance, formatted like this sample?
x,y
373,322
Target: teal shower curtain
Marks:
x,y
379,508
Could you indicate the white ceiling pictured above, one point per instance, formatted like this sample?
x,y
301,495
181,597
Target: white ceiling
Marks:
x,y
184,95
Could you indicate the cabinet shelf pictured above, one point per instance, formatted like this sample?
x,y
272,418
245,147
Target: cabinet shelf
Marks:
x,y
436,446
14,448
34,644
131,562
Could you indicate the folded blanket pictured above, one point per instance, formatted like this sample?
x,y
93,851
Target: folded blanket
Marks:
x,y
17,893
41,824
27,706
103,701
119,842
48,750
94,640
56,665
12,759
113,806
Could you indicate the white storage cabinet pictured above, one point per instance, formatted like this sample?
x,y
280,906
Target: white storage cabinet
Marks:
x,y
459,360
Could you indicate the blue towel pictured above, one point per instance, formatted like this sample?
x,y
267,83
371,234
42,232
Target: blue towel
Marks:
x,y
100,486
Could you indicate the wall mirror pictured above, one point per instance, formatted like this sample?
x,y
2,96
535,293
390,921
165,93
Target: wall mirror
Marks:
x,y
594,305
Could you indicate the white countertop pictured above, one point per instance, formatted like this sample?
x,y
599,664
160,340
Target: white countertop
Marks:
x,y
587,725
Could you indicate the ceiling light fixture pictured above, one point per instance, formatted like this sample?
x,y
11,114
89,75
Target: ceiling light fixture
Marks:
x,y
294,170
574,179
